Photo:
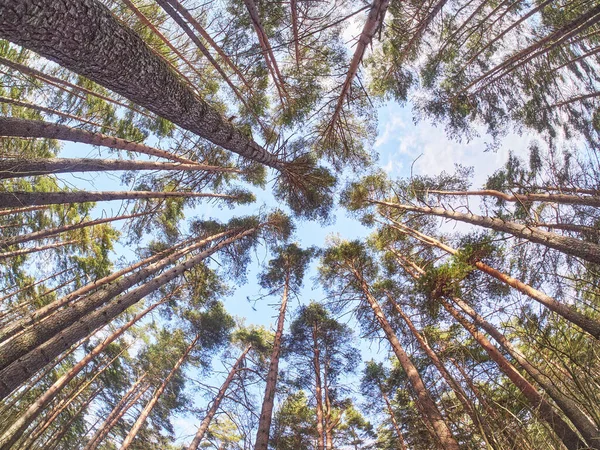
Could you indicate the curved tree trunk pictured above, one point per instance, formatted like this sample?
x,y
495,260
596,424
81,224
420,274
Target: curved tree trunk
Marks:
x,y
217,402
22,167
15,127
537,402
146,411
8,199
83,36
264,424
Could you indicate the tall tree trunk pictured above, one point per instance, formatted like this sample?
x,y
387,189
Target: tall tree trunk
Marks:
x,y
194,23
523,198
18,372
36,235
146,411
446,375
373,23
537,402
35,317
582,422
589,325
83,36
318,390
41,248
571,246
392,415
131,397
203,428
264,424
21,423
294,14
29,339
23,167
15,127
8,199
426,404
7,212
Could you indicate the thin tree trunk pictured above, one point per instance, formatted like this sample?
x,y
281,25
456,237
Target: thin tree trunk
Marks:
x,y
203,428
571,246
29,286
41,248
52,79
37,235
439,365
146,411
8,199
116,414
194,23
21,423
521,198
263,40
589,325
18,372
7,212
294,13
373,23
318,390
90,41
22,167
582,422
264,424
538,403
426,404
15,127
390,410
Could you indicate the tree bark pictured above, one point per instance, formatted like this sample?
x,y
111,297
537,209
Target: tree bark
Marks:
x,y
17,428
582,422
146,411
318,390
15,127
37,235
538,403
426,404
41,331
18,372
390,410
83,36
522,198
571,246
217,402
22,167
264,424
8,199
41,248
373,23
589,325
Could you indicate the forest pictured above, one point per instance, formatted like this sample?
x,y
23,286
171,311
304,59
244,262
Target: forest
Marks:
x,y
300,224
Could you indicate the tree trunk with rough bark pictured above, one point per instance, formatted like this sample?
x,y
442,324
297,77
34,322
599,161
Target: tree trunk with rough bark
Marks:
x,y
20,370
83,36
26,128
22,167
